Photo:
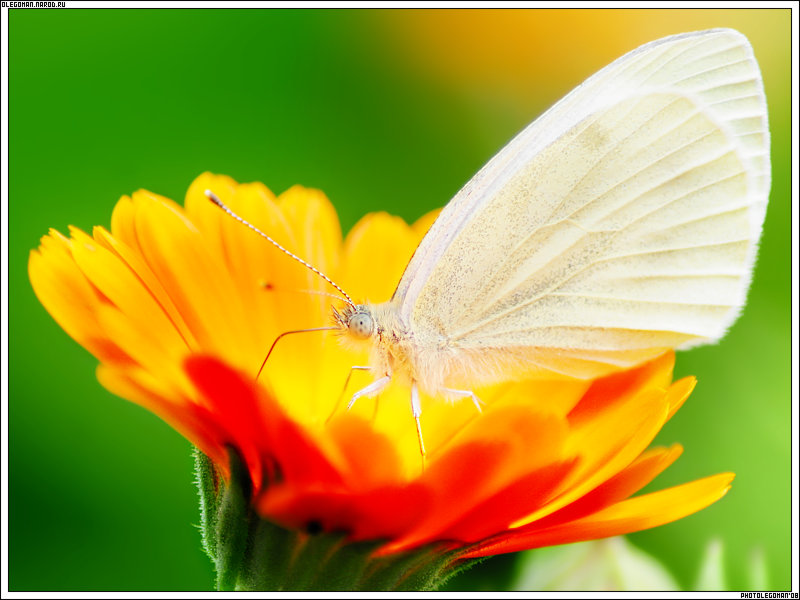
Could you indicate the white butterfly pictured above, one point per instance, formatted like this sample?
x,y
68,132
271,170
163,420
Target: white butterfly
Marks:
x,y
621,223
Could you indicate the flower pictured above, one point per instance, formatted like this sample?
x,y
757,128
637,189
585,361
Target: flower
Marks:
x,y
181,304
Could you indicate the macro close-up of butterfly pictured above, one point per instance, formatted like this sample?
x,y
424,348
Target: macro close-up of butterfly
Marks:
x,y
623,222
397,292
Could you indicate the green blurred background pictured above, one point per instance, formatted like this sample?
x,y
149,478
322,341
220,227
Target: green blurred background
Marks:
x,y
382,110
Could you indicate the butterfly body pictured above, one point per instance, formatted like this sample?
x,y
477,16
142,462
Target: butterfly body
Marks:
x,y
413,354
404,351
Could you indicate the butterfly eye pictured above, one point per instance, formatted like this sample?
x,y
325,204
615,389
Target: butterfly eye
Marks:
x,y
361,325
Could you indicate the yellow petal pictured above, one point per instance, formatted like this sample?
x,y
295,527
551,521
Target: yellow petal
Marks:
x,y
195,279
376,253
123,289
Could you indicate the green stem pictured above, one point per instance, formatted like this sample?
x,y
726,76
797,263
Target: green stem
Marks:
x,y
250,553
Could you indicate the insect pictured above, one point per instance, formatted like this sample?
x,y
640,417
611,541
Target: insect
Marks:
x,y
621,223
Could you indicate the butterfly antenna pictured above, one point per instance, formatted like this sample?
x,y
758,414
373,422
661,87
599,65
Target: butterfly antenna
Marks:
x,y
213,197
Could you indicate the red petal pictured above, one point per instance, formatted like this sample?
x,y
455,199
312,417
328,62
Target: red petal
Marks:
x,y
255,424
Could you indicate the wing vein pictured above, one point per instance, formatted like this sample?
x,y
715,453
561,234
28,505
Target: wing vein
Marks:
x,y
461,333
649,166
677,198
683,52
638,300
704,217
721,84
607,152
588,265
731,99
711,70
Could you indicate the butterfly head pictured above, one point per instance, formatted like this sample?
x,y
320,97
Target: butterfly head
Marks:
x,y
356,321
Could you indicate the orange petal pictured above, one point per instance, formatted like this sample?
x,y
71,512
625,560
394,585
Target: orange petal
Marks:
x,y
634,423
490,456
123,223
195,279
678,393
148,279
643,512
452,482
497,512
618,388
69,297
124,289
370,459
641,472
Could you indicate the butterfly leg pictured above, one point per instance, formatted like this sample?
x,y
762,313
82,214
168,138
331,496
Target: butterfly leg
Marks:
x,y
416,410
344,389
373,388
464,393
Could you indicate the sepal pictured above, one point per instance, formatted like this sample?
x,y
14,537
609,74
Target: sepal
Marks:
x,y
254,554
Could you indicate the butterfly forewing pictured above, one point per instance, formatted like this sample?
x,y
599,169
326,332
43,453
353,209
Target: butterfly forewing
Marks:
x,y
623,221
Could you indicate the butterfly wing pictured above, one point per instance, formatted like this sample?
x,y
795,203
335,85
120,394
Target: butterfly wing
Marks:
x,y
621,222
